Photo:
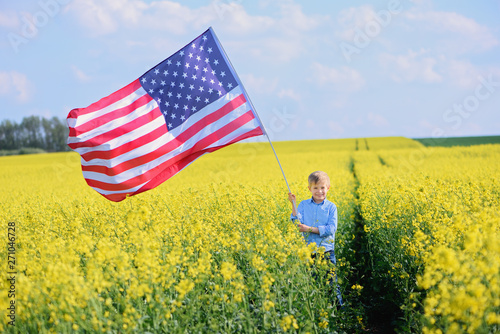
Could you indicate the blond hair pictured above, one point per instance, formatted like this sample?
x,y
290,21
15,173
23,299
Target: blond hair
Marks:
x,y
318,176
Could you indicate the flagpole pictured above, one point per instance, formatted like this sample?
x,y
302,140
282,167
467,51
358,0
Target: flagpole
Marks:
x,y
253,109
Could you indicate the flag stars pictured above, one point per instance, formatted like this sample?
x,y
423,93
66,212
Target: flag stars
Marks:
x,y
153,82
165,73
179,95
222,74
183,118
167,104
184,75
193,108
229,85
185,107
193,46
194,76
198,58
207,100
163,83
188,97
157,71
178,63
216,62
209,50
161,91
203,79
205,69
191,87
176,106
204,37
175,74
198,99
181,85
201,89
187,65
196,67
169,62
169,94
151,91
172,116
207,60
190,55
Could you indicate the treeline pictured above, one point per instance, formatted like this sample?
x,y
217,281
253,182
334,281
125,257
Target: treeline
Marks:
x,y
33,134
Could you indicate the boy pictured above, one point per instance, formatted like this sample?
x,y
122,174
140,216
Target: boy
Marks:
x,y
317,217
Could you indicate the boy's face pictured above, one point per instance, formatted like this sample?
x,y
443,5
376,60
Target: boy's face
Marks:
x,y
319,190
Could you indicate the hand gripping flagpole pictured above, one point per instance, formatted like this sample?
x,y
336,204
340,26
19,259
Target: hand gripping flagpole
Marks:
x,y
253,109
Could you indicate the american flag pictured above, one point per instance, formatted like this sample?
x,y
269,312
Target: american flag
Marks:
x,y
190,104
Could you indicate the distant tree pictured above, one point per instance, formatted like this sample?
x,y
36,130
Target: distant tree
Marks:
x,y
34,132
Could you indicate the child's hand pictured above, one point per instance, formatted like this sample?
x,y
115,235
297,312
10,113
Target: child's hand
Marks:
x,y
291,198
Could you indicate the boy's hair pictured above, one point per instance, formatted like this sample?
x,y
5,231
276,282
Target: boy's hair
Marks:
x,y
317,176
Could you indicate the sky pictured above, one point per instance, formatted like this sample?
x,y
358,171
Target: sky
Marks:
x,y
313,69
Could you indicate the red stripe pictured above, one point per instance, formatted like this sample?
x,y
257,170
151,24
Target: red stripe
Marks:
x,y
171,145
200,145
173,169
106,101
119,131
127,147
109,117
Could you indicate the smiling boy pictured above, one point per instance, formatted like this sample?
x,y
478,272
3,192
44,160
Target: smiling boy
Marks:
x,y
317,217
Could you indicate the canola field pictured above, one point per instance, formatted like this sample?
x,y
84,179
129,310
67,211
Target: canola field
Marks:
x,y
212,250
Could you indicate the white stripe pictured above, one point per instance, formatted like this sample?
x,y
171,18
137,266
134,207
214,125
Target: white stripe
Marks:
x,y
112,125
125,101
117,142
127,137
139,170
110,192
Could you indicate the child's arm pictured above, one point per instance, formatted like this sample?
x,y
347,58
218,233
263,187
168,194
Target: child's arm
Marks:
x,y
293,200
308,229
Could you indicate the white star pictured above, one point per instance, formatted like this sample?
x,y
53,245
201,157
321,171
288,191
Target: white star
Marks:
x,y
213,72
181,53
203,79
204,37
159,101
169,125
212,81
172,84
161,91
193,108
194,76
184,75
201,89
167,104
207,100
172,116
198,58
179,95
220,83
157,71
185,107
216,62
165,72
190,55
187,65
223,74
164,113
201,48
181,85
229,85
178,63
175,74
183,118
143,80
176,106
196,67
163,83
169,94
198,99
188,97
220,93
151,91
205,69
169,62
209,50
207,60
210,90
193,45
191,87
153,82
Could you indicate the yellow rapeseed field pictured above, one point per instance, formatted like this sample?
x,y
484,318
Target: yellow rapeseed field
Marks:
x,y
212,250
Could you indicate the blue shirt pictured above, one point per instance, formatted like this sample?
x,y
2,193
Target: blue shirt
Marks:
x,y
323,216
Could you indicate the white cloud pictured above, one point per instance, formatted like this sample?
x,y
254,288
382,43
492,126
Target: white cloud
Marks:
x,y
16,85
79,74
414,66
354,18
345,79
9,20
466,34
289,93
377,120
259,85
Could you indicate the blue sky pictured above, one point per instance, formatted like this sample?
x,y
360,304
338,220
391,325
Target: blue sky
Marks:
x,y
313,69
